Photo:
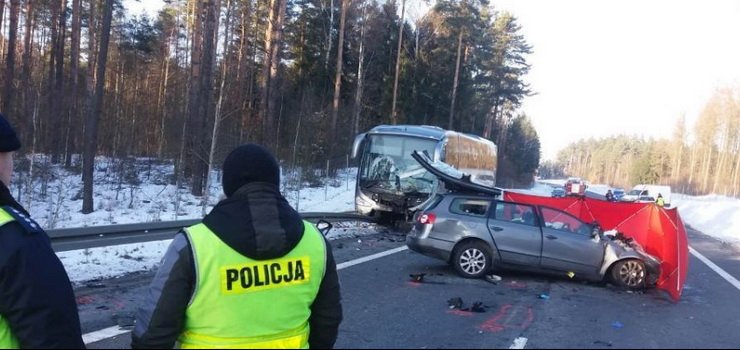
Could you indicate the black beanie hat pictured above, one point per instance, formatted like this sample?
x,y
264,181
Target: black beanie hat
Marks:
x,y
8,140
249,163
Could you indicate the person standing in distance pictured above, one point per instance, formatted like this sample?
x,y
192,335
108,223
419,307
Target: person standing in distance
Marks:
x,y
252,274
37,303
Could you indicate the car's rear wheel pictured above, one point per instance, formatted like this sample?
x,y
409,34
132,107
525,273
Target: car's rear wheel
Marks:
x,y
472,259
629,274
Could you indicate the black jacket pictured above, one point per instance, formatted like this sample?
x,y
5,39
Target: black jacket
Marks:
x,y
36,297
258,223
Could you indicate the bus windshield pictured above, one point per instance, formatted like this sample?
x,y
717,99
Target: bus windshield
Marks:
x,y
387,164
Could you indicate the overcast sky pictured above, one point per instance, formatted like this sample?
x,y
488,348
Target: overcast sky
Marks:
x,y
603,68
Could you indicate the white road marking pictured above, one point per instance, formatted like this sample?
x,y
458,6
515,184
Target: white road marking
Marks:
x,y
733,281
351,263
519,343
103,334
111,332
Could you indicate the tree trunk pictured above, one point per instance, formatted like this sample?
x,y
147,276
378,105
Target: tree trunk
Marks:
x,y
329,36
74,65
271,70
457,77
91,49
195,102
2,12
61,96
200,166
217,115
54,116
162,97
275,74
15,6
28,96
95,108
394,115
337,81
360,75
265,88
491,121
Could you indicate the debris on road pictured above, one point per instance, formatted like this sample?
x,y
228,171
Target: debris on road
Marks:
x,y
571,274
544,296
601,342
493,278
477,307
455,303
125,320
417,277
617,325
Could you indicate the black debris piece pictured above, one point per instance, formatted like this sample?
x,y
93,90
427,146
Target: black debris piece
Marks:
x,y
477,307
417,277
125,320
455,303
601,342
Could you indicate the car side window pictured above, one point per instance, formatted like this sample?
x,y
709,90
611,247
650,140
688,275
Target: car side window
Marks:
x,y
470,207
562,221
518,213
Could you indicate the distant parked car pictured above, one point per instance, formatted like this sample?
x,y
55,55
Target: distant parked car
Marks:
x,y
575,186
476,233
618,193
558,192
648,193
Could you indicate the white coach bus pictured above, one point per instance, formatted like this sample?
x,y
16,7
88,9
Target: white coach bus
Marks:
x,y
391,183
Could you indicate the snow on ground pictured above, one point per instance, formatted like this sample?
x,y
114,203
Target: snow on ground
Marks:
x,y
136,191
142,193
714,215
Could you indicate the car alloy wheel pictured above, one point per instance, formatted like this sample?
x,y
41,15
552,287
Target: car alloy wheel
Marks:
x,y
629,274
472,260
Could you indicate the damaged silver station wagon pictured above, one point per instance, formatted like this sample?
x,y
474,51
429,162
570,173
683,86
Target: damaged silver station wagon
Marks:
x,y
466,225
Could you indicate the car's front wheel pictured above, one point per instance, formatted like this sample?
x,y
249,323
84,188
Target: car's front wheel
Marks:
x,y
472,259
630,274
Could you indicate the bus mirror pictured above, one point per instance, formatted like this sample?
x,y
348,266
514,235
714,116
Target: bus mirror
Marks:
x,y
357,144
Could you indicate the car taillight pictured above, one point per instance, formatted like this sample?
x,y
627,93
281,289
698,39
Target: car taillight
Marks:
x,y
427,218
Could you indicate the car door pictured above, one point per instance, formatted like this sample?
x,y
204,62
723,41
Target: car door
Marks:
x,y
567,243
516,232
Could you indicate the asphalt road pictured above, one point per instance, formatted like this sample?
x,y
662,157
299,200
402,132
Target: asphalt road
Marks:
x,y
384,309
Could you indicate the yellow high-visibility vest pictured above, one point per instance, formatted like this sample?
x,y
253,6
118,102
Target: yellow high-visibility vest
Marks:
x,y
244,303
7,339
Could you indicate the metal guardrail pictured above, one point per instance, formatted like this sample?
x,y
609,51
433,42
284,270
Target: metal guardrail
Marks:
x,y
100,236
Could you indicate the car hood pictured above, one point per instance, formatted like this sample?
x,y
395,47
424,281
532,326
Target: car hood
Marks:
x,y
453,179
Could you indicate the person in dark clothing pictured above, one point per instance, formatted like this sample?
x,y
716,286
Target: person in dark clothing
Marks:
x,y
37,303
242,277
610,196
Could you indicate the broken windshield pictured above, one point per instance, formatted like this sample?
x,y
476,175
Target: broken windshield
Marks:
x,y
387,164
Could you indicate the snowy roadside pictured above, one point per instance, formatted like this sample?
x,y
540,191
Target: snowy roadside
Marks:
x,y
714,215
107,262
152,198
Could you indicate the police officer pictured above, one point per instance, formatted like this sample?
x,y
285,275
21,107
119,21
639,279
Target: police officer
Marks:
x,y
37,304
660,201
251,274
610,196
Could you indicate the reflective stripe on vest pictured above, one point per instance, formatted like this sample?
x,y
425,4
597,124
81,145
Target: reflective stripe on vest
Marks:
x,y
244,303
5,217
7,339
